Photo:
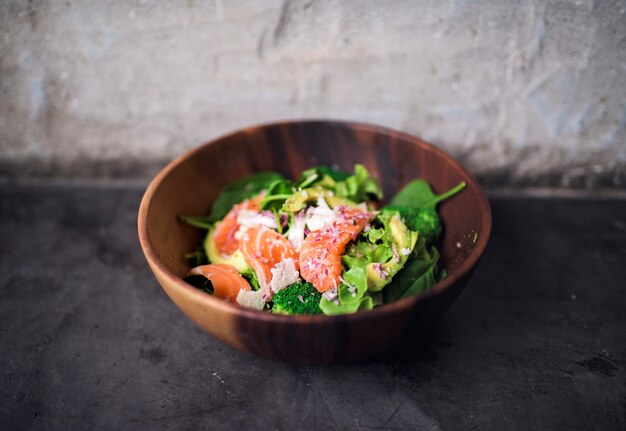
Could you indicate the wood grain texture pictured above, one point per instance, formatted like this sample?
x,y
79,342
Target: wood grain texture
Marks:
x,y
190,183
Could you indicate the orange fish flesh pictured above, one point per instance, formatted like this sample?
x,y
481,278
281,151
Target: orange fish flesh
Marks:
x,y
263,249
225,230
226,280
320,256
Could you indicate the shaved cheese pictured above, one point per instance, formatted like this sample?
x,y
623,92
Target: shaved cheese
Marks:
x,y
283,274
251,299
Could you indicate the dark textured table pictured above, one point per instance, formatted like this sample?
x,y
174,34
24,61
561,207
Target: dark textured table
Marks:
x,y
89,341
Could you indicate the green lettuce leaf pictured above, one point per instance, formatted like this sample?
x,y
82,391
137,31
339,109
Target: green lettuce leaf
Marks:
x,y
359,187
382,251
351,295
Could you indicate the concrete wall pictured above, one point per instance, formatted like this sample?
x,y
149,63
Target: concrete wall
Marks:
x,y
522,92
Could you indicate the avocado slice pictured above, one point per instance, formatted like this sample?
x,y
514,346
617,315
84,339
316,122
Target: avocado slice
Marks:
x,y
298,200
402,240
236,260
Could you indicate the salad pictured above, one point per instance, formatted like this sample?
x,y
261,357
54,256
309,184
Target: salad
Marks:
x,y
318,245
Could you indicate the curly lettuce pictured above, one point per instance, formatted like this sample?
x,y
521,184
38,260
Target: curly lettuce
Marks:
x,y
351,295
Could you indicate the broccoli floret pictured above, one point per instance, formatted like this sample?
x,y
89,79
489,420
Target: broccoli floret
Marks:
x,y
428,224
426,221
297,298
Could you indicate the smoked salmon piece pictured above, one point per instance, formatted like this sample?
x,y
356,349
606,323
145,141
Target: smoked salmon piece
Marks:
x,y
226,280
263,249
224,236
320,256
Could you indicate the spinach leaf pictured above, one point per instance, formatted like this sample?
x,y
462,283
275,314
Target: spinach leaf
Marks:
x,y
418,274
335,173
316,174
202,222
424,281
418,194
239,190
277,194
197,257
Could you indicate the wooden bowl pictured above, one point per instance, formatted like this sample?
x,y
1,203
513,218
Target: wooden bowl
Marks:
x,y
190,183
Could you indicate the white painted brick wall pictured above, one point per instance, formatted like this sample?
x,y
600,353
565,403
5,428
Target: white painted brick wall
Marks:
x,y
522,92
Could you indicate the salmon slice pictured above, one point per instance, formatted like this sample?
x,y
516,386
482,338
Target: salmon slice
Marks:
x,y
227,282
225,230
320,256
263,249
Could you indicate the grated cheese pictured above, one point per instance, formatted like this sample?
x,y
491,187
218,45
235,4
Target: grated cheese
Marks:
x,y
251,299
283,274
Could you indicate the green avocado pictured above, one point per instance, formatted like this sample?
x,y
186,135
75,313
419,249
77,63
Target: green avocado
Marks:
x,y
236,260
298,200
402,240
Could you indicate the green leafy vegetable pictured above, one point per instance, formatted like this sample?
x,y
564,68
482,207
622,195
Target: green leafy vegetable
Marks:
x,y
202,222
351,295
249,274
297,298
418,194
335,173
375,234
359,187
197,257
417,204
317,174
277,193
237,191
419,273
382,251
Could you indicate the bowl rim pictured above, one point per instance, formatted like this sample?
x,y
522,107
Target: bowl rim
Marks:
x,y
230,308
